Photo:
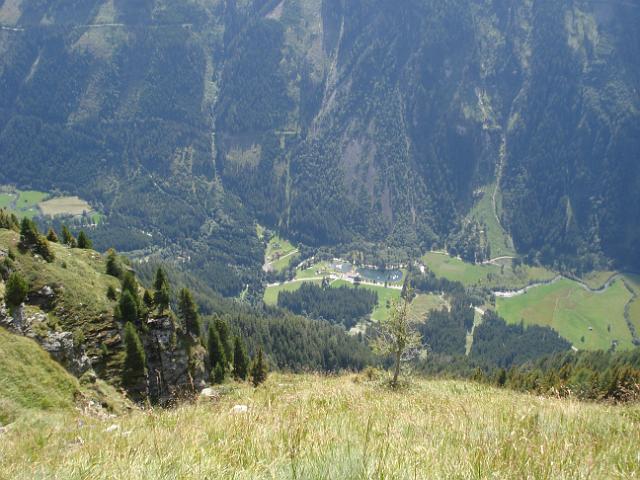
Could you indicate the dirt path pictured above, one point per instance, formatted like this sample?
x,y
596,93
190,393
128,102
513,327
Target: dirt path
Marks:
x,y
557,278
495,260
267,266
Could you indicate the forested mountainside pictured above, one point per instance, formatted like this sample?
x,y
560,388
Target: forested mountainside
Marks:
x,y
334,120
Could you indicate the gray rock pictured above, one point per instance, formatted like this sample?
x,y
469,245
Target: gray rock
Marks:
x,y
47,291
238,409
210,393
61,347
172,372
15,322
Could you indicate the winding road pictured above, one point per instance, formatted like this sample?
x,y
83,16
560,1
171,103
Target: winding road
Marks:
x,y
557,278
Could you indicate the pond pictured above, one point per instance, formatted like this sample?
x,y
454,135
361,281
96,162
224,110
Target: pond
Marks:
x,y
369,274
380,276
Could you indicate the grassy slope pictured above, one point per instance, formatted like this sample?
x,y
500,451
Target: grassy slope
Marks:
x,y
81,272
30,379
33,385
83,301
501,243
281,247
486,275
571,310
423,304
633,281
310,427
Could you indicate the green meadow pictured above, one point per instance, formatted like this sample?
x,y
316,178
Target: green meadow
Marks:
x,y
499,240
385,295
422,304
280,253
590,321
487,275
271,292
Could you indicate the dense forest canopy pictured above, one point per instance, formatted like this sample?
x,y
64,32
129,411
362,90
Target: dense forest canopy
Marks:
x,y
333,121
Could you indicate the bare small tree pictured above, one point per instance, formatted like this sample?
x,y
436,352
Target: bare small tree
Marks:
x,y
397,335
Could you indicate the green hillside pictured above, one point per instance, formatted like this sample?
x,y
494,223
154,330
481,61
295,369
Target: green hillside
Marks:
x,y
79,281
312,427
31,380
588,320
499,275
32,383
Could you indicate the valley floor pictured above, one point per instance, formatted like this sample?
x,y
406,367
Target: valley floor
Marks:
x,y
335,428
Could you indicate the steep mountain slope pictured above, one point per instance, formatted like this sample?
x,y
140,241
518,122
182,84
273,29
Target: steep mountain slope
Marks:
x,y
331,120
76,309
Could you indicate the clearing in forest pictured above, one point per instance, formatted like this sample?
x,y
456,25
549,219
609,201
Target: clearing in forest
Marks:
x,y
499,275
280,254
64,206
589,320
422,304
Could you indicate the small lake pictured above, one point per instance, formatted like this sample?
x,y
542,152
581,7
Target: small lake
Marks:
x,y
370,274
380,276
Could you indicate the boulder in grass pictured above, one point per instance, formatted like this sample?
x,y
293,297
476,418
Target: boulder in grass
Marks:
x,y
210,393
239,409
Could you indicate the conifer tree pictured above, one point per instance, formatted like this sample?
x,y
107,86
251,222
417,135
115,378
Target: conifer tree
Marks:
x,y
259,369
42,249
52,236
16,290
128,308
225,338
162,293
134,371
67,238
147,299
130,284
218,374
30,239
216,351
84,242
189,312
111,293
113,265
240,360
7,220
28,234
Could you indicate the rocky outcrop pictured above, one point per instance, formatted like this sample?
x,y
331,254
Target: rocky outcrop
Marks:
x,y
62,347
175,361
59,344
